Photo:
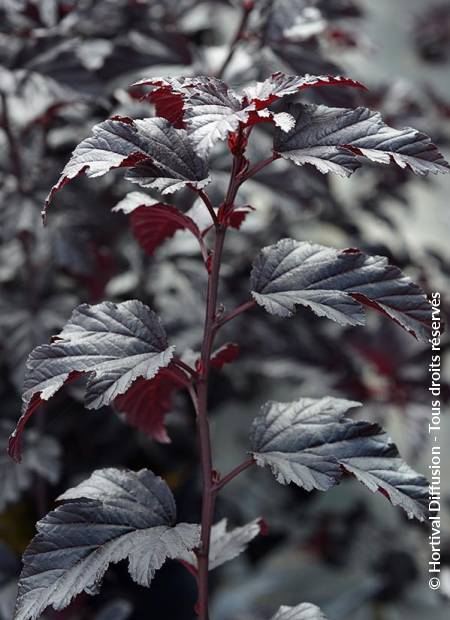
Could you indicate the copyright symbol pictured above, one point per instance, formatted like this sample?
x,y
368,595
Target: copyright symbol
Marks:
x,y
434,583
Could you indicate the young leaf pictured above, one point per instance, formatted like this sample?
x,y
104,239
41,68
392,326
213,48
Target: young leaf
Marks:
x,y
309,442
331,139
146,403
304,611
334,283
153,222
112,516
226,544
113,344
165,154
210,110
226,354
280,85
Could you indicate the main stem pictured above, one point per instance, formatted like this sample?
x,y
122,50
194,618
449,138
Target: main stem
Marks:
x,y
210,328
203,425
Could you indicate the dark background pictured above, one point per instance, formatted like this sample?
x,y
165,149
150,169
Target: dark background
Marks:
x,y
68,65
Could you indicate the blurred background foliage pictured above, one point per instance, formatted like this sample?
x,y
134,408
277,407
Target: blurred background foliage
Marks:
x,y
68,64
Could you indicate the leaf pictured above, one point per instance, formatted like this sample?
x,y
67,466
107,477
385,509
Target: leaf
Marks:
x,y
147,402
331,139
210,109
280,85
334,283
167,158
111,516
206,106
114,344
153,222
309,442
42,457
226,354
226,544
304,611
238,216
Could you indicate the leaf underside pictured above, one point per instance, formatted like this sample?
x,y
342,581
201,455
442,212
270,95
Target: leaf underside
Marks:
x,y
112,516
336,284
227,544
311,443
154,222
114,344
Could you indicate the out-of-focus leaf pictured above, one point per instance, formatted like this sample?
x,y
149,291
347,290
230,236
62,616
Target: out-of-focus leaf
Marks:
x,y
112,516
304,611
42,457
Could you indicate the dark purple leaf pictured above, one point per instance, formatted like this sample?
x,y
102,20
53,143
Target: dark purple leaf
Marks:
x,y
309,442
210,110
335,283
334,140
112,516
280,85
166,154
113,344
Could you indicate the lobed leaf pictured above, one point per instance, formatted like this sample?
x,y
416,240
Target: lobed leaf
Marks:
x,y
311,443
111,516
114,344
158,155
336,283
226,544
280,85
154,222
332,139
210,110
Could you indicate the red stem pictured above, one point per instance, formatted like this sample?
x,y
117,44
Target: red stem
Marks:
x,y
236,312
200,398
204,196
259,166
233,473
203,427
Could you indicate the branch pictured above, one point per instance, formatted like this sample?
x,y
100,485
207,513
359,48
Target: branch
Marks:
x,y
247,8
185,367
236,312
259,166
233,474
204,196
